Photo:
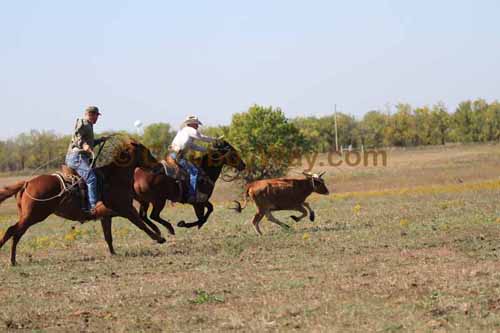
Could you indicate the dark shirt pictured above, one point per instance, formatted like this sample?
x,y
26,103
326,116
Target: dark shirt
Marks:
x,y
83,133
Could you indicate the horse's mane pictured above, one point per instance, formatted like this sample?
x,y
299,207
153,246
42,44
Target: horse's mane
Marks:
x,y
113,146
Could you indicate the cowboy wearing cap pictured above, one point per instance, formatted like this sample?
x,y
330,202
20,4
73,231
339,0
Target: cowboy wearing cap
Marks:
x,y
80,151
184,142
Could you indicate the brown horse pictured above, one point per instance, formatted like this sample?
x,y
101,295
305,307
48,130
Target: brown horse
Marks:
x,y
158,187
43,195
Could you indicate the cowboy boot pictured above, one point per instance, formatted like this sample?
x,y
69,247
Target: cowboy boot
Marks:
x,y
95,212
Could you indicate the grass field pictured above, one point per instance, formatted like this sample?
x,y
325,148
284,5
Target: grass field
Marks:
x,y
413,246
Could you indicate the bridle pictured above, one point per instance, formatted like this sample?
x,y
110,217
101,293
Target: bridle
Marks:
x,y
224,152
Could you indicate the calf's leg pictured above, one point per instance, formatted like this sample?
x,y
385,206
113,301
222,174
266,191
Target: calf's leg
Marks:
x,y
311,212
256,220
271,218
302,210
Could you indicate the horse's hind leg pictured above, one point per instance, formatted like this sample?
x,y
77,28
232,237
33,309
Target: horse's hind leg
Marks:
x,y
155,215
19,232
143,209
15,232
108,236
8,234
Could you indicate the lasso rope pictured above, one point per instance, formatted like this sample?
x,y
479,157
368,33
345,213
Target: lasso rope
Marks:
x,y
64,188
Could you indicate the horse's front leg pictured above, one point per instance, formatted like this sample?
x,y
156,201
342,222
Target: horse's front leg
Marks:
x,y
210,209
106,228
136,219
199,209
155,215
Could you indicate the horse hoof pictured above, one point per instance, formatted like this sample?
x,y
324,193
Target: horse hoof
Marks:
x,y
161,240
181,224
295,218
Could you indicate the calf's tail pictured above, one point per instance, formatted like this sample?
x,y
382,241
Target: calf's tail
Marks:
x,y
239,208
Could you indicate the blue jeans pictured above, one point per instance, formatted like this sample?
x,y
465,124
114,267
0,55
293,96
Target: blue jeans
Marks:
x,y
80,162
193,172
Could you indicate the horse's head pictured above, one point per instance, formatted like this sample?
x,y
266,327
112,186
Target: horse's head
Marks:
x,y
134,154
222,153
143,156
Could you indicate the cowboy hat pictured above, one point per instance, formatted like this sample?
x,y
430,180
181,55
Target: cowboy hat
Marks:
x,y
191,120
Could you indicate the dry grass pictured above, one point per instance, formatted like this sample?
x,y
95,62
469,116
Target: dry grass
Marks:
x,y
403,257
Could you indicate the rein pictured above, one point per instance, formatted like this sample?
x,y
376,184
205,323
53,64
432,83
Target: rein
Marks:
x,y
227,178
224,176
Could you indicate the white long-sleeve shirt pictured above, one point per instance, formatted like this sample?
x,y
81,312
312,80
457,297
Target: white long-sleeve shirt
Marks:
x,y
183,140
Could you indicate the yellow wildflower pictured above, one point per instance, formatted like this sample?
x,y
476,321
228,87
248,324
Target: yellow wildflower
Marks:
x,y
404,223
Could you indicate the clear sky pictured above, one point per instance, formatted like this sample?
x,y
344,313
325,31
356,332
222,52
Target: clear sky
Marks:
x,y
163,60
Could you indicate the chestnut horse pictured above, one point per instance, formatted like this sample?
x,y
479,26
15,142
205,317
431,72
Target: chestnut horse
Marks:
x,y
44,195
158,187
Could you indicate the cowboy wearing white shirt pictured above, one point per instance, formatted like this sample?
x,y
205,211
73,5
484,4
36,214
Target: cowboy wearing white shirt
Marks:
x,y
184,142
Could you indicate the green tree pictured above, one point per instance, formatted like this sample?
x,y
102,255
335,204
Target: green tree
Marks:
x,y
347,130
267,140
23,147
492,120
310,128
401,130
372,129
10,162
441,122
480,125
45,150
423,126
462,123
157,137
3,155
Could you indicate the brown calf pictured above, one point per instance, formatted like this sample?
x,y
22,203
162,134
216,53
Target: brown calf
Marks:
x,y
282,194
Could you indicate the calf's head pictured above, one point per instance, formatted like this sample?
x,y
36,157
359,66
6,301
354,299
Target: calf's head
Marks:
x,y
317,181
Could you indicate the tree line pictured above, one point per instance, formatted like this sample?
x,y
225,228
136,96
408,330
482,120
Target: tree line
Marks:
x,y
472,121
269,140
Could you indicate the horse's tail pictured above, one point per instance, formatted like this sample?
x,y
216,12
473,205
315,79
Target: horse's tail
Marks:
x,y
239,208
11,190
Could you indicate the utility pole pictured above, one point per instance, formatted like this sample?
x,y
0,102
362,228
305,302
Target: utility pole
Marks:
x,y
336,136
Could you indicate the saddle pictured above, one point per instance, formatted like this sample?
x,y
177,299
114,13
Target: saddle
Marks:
x,y
174,170
77,187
